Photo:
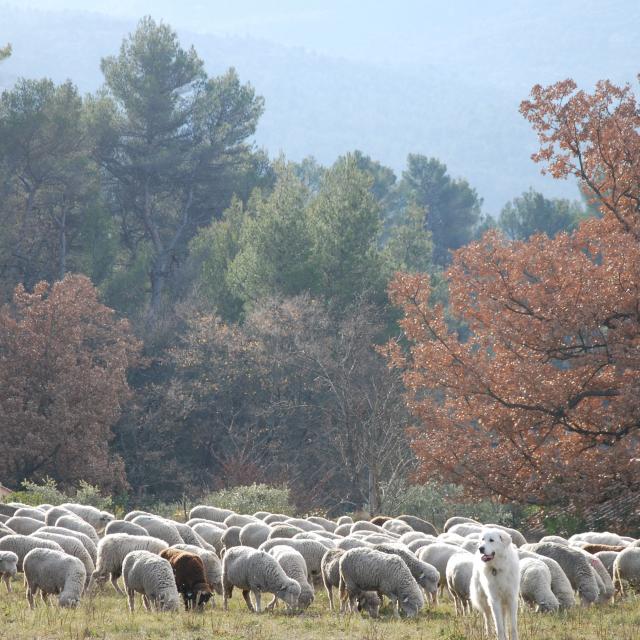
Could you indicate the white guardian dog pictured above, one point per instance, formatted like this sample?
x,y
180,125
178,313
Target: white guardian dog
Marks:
x,y
495,583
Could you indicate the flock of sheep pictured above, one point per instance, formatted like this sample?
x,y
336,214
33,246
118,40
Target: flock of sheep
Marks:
x,y
71,550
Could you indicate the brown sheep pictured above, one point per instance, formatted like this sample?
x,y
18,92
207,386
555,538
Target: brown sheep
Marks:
x,y
380,520
189,574
596,548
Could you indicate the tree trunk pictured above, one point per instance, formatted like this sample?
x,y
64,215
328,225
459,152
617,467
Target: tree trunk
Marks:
x,y
62,224
374,502
158,278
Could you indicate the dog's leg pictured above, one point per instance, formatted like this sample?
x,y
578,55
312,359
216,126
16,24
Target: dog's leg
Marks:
x,y
513,605
498,618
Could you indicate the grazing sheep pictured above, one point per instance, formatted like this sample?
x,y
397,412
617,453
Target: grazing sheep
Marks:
x,y
344,529
313,535
96,518
239,520
437,555
52,515
189,536
459,520
212,565
111,552
209,513
560,585
412,536
8,567
418,524
396,526
305,525
294,565
387,574
416,545
3,519
556,539
189,573
607,558
24,526
253,570
596,537
274,518
576,567
327,525
74,523
368,601
261,515
284,531
159,528
351,543
535,585
516,537
363,525
605,583
254,534
72,546
471,544
458,574
625,567
21,545
29,512
10,509
134,514
426,575
125,526
54,572
463,529
88,544
452,538
230,537
210,534
149,574
312,551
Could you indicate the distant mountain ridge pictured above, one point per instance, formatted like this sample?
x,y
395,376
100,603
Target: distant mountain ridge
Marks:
x,y
322,106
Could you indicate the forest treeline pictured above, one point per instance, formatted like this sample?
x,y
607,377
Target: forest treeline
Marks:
x,y
183,313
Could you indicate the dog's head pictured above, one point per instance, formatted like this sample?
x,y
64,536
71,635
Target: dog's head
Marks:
x,y
493,543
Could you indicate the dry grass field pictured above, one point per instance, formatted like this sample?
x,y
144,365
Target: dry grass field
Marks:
x,y
106,617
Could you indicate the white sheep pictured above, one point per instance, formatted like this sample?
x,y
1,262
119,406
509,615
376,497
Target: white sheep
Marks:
x,y
368,601
411,536
54,572
305,525
88,544
70,546
135,513
607,558
8,567
112,550
312,551
454,520
30,512
21,545
396,526
605,583
344,520
426,575
146,573
626,567
91,515
344,529
387,574
159,528
418,524
125,526
239,520
598,537
210,533
576,567
458,574
294,565
318,537
463,529
209,513
437,555
254,534
327,525
275,518
556,539
23,525
189,536
560,585
75,523
52,515
255,571
416,545
212,565
535,585
351,543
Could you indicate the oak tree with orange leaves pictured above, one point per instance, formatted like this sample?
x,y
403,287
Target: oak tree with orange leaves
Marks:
x,y
539,402
63,363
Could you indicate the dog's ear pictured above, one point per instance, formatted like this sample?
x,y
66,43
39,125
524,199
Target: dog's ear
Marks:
x,y
501,536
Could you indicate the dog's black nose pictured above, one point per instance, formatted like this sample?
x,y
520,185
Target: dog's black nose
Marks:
x,y
481,549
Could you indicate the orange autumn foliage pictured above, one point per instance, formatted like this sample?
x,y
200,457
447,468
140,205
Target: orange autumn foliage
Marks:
x,y
63,364
539,401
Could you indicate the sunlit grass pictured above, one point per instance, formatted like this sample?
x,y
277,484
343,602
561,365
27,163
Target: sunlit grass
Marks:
x,y
106,617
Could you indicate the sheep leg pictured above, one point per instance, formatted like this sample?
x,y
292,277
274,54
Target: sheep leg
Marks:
x,y
343,595
272,604
131,598
114,582
227,590
30,594
7,581
395,605
45,597
257,595
247,599
146,602
329,591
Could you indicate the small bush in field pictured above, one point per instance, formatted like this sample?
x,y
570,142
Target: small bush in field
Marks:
x,y
252,498
90,494
47,492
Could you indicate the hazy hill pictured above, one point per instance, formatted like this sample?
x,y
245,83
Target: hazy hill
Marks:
x,y
456,99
